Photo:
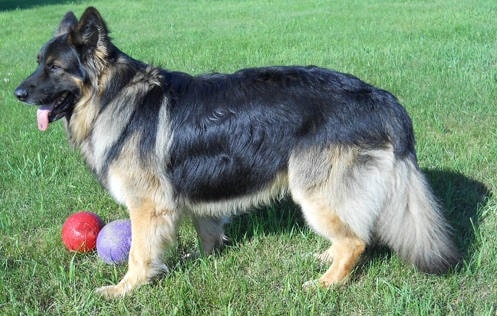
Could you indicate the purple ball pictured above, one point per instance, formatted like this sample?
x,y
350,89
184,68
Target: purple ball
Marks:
x,y
114,241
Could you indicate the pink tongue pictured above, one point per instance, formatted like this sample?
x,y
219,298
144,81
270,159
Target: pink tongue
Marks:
x,y
42,117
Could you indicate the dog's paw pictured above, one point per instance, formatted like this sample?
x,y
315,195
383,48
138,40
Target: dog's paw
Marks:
x,y
112,291
311,285
119,290
323,283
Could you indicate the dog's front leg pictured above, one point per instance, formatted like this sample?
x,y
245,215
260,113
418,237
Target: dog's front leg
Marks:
x,y
151,230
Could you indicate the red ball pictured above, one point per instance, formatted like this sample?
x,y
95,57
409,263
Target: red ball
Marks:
x,y
80,231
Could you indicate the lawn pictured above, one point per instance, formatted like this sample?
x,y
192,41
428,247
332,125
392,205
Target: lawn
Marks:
x,y
438,57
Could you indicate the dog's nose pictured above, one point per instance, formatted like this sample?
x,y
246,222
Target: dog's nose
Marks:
x,y
21,93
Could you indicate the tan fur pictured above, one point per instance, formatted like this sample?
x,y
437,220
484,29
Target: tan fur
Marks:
x,y
152,229
346,245
84,114
275,190
322,182
153,220
345,251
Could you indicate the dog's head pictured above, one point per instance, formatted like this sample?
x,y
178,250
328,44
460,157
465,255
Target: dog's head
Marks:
x,y
66,64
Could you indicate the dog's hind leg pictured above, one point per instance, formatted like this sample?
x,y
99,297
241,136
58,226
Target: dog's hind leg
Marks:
x,y
152,229
346,247
210,231
341,191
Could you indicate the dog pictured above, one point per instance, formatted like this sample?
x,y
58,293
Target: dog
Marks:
x,y
167,145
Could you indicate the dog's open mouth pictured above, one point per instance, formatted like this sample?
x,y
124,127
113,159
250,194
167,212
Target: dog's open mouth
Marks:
x,y
51,111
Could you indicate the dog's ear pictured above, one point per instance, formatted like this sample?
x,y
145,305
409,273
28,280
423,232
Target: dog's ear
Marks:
x,y
91,30
68,24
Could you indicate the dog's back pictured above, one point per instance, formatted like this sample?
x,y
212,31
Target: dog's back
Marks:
x,y
244,126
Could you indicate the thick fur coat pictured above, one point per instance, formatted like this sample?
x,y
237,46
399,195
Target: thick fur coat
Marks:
x,y
168,144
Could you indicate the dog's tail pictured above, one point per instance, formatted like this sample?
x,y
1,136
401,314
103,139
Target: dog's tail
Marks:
x,y
413,224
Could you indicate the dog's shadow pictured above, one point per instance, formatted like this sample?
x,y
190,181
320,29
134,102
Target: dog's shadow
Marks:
x,y
280,217
460,197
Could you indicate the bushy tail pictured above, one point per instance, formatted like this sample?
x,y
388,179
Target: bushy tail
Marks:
x,y
413,224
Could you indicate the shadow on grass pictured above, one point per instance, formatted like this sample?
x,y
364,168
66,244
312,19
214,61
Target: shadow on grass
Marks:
x,y
460,197
282,216
6,5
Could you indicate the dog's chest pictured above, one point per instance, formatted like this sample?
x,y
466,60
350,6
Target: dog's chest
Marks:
x,y
117,188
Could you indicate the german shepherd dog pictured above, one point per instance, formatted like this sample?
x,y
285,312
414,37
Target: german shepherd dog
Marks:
x,y
167,144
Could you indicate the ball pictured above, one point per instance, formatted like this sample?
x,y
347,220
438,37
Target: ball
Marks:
x,y
80,231
114,241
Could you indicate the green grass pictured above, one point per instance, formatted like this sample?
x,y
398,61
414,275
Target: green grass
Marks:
x,y
439,58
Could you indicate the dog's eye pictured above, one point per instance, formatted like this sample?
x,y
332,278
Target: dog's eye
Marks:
x,y
53,67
